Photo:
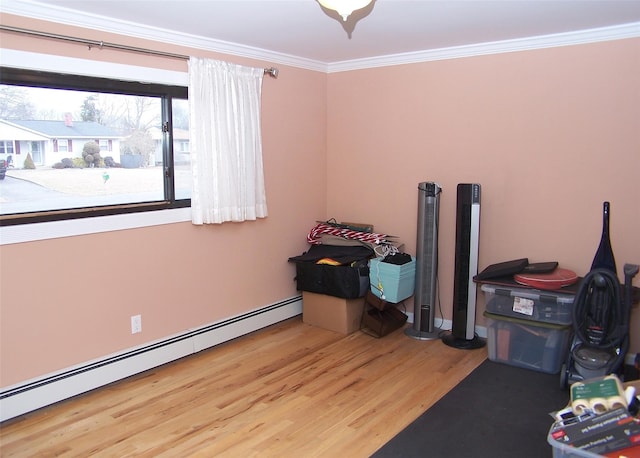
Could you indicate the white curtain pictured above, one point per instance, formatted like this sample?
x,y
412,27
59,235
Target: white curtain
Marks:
x,y
226,142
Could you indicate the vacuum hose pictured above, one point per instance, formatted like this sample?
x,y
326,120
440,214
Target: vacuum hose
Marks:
x,y
598,314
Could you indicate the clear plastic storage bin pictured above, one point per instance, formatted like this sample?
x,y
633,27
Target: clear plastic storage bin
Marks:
x,y
529,304
561,450
528,344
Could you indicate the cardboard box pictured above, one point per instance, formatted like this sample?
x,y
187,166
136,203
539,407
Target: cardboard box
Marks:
x,y
332,313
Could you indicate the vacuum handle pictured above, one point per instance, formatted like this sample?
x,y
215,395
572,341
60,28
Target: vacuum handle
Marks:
x,y
630,271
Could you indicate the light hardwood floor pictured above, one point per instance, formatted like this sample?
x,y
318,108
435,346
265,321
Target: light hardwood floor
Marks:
x,y
290,390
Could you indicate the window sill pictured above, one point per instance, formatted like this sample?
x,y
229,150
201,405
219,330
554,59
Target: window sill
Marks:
x,y
70,228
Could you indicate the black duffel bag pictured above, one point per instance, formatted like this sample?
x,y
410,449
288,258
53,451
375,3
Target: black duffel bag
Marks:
x,y
349,280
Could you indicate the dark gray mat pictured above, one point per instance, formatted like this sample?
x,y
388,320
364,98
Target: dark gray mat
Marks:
x,y
496,411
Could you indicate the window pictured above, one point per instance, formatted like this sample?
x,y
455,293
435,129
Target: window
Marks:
x,y
61,145
182,146
6,148
104,145
91,146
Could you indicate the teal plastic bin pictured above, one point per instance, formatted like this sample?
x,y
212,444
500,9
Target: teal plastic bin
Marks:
x,y
395,282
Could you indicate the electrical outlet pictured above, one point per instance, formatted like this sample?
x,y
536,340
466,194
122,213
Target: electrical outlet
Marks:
x,y
136,324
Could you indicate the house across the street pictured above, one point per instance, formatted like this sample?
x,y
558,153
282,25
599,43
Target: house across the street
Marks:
x,y
51,141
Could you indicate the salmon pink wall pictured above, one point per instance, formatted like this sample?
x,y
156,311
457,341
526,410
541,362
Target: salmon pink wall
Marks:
x,y
69,300
549,134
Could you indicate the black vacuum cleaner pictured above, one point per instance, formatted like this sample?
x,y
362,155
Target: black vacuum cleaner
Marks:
x,y
601,315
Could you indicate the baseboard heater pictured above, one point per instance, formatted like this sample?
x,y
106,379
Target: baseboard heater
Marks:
x,y
37,393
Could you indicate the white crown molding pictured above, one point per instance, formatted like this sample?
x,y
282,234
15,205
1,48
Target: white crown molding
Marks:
x,y
62,16
620,32
78,19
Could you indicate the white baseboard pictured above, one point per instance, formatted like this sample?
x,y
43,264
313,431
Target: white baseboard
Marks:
x,y
51,388
446,325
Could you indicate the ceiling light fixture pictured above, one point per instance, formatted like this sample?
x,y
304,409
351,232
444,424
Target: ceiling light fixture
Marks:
x,y
344,7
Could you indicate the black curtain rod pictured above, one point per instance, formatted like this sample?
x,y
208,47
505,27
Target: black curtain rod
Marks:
x,y
272,71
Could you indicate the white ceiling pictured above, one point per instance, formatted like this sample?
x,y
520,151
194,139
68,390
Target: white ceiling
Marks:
x,y
301,30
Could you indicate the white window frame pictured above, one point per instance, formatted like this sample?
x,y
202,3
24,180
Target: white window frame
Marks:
x,y
63,145
7,147
82,226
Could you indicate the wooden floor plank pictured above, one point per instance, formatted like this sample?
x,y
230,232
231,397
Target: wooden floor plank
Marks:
x,y
290,390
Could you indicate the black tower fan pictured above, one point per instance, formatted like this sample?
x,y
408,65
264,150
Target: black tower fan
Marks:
x,y
466,267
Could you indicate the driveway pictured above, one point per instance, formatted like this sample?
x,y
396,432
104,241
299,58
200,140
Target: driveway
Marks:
x,y
16,190
45,188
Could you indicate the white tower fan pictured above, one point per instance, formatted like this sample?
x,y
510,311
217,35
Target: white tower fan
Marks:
x,y
424,300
